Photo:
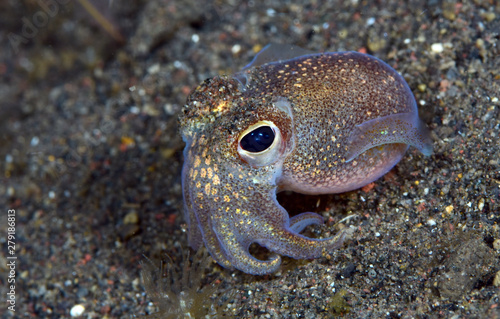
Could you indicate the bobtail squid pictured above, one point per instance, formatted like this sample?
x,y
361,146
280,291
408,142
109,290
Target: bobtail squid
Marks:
x,y
291,120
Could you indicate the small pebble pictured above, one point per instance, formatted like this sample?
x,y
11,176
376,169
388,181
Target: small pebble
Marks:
x,y
155,68
77,310
488,16
270,12
496,281
236,49
496,244
34,141
131,218
480,205
449,14
372,273
437,47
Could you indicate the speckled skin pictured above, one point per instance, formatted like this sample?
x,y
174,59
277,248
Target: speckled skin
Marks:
x,y
319,103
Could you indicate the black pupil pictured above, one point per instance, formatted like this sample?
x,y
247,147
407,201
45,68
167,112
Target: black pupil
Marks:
x,y
258,140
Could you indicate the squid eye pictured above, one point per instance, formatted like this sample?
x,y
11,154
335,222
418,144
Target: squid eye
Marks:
x,y
261,144
258,140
